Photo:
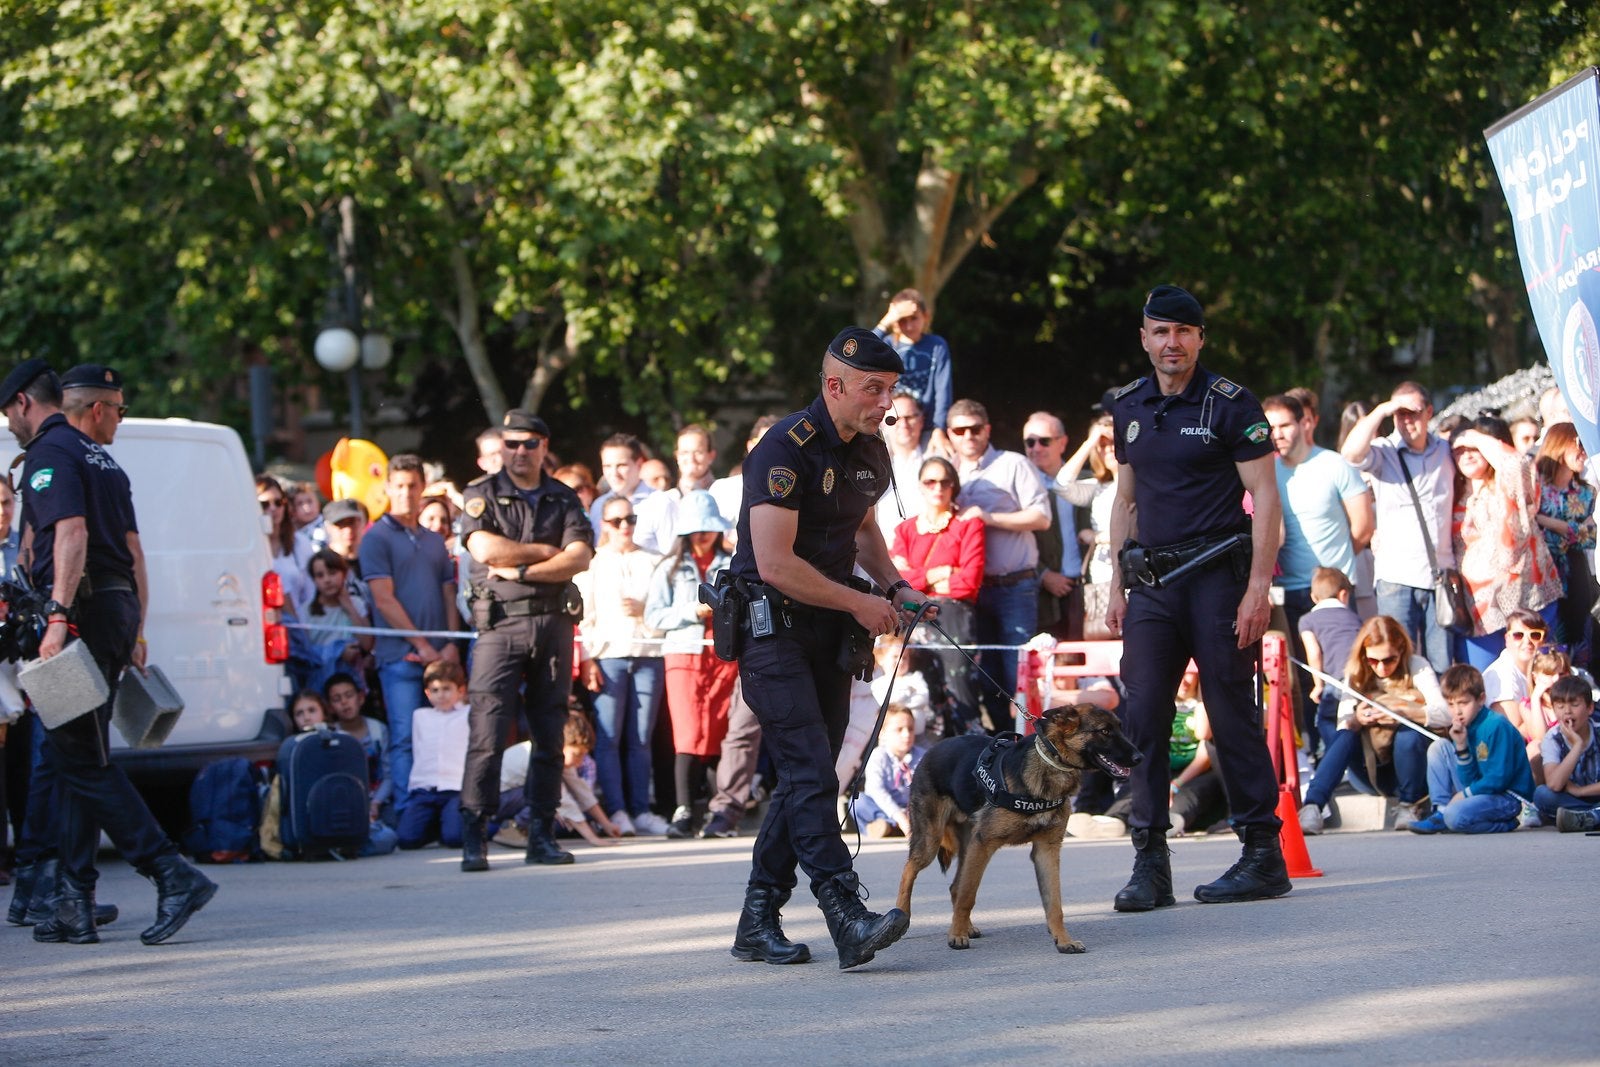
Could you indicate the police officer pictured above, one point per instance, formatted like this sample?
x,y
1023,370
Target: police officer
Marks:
x,y
526,535
805,521
78,509
1191,443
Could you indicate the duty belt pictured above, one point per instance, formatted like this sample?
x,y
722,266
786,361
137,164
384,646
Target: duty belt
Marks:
x,y
1160,566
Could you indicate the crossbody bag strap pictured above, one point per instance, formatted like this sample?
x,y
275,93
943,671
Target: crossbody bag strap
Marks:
x,y
1416,503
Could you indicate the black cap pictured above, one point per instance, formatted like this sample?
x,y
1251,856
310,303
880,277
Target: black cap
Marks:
x,y
91,376
864,350
337,511
21,376
524,422
1168,303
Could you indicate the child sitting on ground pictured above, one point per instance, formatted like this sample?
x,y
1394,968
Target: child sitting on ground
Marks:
x,y
880,810
344,705
439,748
577,784
1478,774
310,711
1571,788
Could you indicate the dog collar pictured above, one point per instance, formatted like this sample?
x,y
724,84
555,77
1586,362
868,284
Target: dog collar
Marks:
x,y
990,776
1049,753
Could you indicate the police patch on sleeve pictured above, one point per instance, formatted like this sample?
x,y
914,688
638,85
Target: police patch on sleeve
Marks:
x,y
1257,432
780,481
41,479
475,506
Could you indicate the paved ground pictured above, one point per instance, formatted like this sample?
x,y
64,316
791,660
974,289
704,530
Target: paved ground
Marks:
x,y
1440,950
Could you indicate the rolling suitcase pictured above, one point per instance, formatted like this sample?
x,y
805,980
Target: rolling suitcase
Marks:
x,y
323,789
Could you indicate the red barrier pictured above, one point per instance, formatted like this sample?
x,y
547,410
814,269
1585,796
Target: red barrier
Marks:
x,y
1285,758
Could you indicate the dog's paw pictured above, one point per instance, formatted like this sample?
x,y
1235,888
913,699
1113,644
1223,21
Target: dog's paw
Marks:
x,y
973,931
959,942
1070,947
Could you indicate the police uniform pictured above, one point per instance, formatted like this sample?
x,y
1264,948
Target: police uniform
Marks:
x,y
1183,450
525,635
68,476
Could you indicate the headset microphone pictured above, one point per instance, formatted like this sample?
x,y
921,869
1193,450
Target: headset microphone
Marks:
x,y
890,420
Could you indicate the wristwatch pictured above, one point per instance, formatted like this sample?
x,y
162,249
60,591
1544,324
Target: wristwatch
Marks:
x,y
896,587
53,608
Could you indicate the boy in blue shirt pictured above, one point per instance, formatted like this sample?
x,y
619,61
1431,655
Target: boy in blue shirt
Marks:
x,y
1479,773
1571,751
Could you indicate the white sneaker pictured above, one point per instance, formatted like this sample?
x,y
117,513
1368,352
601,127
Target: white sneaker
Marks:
x,y
1095,827
650,824
1404,816
623,823
1310,820
1530,818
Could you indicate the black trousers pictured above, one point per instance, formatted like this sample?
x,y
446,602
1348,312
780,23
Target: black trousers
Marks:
x,y
1162,631
794,686
521,664
93,792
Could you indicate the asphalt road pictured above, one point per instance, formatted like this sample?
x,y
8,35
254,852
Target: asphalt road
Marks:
x,y
1408,950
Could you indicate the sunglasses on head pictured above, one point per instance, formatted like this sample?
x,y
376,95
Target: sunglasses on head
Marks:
x,y
521,444
1525,635
623,520
1038,442
962,431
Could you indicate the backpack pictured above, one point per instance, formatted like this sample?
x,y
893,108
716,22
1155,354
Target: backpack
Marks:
x,y
225,809
323,794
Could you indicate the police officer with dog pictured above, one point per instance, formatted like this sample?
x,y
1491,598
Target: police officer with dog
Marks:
x,y
802,626
1192,577
526,535
77,508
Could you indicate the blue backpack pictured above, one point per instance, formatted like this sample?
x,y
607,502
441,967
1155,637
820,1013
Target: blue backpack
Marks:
x,y
225,810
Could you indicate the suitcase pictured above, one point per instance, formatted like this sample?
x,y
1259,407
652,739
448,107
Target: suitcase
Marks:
x,y
324,793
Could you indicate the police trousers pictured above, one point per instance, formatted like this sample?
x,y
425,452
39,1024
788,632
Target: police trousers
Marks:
x,y
794,686
521,663
91,793
1162,630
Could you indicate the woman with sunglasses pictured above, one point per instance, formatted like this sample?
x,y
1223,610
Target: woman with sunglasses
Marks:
x,y
622,666
1566,517
1376,750
280,529
1498,547
941,555
1505,681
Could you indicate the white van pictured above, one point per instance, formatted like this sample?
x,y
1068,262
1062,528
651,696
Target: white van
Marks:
x,y
210,628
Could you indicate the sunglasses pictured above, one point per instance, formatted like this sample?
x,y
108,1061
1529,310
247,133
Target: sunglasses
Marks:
x,y
268,505
1038,442
962,431
1525,635
1383,661
122,409
521,444
622,520
931,482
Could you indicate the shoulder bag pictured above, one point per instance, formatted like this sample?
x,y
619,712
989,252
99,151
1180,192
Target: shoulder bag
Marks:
x,y
1452,603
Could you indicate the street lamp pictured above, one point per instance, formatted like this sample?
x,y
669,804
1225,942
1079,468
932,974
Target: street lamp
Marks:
x,y
343,348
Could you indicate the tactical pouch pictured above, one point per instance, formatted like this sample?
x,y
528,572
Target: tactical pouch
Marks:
x,y
855,649
727,606
572,603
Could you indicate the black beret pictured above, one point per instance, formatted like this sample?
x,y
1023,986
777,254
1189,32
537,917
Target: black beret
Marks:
x,y
91,376
1168,303
524,422
864,350
21,376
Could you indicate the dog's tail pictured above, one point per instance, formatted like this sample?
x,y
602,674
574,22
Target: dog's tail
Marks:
x,y
949,845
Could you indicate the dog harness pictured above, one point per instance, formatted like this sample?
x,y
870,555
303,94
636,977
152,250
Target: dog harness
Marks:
x,y
992,778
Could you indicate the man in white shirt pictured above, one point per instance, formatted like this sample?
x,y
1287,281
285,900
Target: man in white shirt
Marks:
x,y
904,439
658,512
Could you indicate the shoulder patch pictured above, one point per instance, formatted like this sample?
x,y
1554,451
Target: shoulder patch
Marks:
x,y
802,431
1126,389
780,480
1257,432
1223,387
475,506
40,480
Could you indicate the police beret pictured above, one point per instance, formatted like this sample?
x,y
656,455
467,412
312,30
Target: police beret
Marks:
x,y
1168,303
21,376
337,511
524,422
864,350
91,376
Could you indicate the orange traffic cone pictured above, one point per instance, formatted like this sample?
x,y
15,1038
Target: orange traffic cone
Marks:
x,y
1290,839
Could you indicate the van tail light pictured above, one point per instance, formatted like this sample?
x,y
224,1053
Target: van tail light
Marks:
x,y
275,636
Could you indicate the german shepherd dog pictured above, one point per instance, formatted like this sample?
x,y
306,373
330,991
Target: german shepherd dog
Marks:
x,y
953,815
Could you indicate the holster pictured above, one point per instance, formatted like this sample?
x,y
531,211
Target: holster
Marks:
x,y
727,599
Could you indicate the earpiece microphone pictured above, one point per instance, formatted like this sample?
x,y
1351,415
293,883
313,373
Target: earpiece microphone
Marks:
x,y
890,420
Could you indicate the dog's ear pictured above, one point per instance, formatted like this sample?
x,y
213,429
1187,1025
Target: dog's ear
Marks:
x,y
1069,716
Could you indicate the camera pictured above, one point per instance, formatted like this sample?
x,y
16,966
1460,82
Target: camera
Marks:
x,y
24,624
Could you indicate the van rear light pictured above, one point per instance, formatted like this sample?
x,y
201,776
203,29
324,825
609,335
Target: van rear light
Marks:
x,y
275,636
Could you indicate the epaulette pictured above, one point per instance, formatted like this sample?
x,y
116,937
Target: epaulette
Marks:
x,y
479,480
1126,389
802,431
1226,389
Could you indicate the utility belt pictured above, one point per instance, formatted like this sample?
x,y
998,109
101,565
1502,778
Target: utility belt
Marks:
x,y
742,611
488,610
1006,581
89,585
1162,566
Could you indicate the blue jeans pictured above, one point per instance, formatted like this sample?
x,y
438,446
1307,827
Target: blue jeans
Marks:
x,y
625,712
429,813
1547,800
1490,813
1412,608
1406,777
401,682
1007,615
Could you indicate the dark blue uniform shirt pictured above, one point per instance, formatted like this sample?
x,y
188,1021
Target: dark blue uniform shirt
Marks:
x,y
803,465
552,515
66,476
1183,450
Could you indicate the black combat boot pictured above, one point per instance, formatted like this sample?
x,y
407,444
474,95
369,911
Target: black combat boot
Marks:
x,y
1151,884
73,920
39,904
22,886
857,933
1259,874
759,938
542,847
474,841
181,890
